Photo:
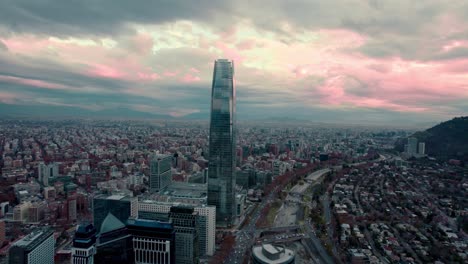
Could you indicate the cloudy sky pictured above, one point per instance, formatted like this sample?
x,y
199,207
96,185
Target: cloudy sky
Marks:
x,y
354,60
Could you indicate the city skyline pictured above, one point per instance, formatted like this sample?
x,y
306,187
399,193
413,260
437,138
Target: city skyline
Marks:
x,y
359,62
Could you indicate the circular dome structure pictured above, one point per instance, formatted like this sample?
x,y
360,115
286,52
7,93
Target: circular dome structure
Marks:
x,y
272,254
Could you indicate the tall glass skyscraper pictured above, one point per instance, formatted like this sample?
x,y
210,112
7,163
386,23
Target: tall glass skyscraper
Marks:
x,y
221,167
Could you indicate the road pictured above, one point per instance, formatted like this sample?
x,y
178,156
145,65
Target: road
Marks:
x,y
314,176
248,234
315,243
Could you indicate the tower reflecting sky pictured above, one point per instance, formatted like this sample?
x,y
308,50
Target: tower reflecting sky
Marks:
x,y
221,179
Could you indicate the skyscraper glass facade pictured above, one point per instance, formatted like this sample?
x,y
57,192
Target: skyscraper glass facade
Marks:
x,y
160,174
185,221
221,168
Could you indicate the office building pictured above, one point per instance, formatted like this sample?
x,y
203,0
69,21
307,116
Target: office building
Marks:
x,y
84,244
41,172
412,146
160,172
21,212
268,253
157,210
114,243
263,178
222,148
37,211
120,206
185,222
35,248
71,208
153,241
422,148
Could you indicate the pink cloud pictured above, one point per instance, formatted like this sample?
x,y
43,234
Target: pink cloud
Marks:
x,y
333,93
143,43
106,71
74,55
229,53
34,82
8,98
171,73
228,35
194,70
353,80
246,44
183,112
148,76
26,44
189,78
459,66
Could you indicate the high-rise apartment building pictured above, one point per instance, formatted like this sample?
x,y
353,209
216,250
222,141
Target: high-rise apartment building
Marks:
x,y
412,146
84,244
153,241
222,149
35,248
422,148
160,172
41,171
120,206
185,221
45,172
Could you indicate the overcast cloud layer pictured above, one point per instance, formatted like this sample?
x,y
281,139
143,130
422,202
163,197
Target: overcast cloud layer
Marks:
x,y
355,61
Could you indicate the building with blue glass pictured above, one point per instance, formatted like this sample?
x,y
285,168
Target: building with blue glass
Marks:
x,y
221,167
160,172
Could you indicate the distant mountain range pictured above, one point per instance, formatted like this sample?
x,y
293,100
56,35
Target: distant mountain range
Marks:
x,y
321,118
447,140
41,111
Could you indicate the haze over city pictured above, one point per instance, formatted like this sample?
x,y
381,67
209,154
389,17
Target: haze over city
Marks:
x,y
355,61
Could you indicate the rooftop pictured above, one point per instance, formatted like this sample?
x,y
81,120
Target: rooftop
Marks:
x,y
115,197
268,253
149,223
111,223
33,239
